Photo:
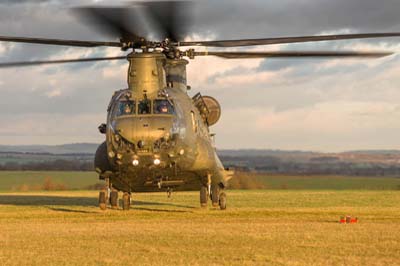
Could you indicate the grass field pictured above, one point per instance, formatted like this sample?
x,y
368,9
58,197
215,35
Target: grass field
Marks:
x,y
13,180
261,227
329,182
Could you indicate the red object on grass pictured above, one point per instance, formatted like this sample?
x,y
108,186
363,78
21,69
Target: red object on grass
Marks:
x,y
348,220
354,220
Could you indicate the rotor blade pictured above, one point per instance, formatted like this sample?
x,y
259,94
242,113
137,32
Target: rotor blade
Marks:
x,y
59,42
117,21
62,61
294,54
130,23
283,40
172,17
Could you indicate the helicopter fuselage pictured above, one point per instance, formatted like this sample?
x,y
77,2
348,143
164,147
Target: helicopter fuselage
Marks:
x,y
156,135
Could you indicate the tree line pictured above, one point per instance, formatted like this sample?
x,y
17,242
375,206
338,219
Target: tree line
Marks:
x,y
55,165
265,164
274,165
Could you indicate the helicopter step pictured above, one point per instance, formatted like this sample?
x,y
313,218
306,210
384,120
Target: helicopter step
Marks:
x,y
164,183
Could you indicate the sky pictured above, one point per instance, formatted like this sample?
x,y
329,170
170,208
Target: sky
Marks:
x,y
297,104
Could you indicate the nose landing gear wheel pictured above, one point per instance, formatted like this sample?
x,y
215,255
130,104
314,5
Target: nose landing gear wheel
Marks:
x,y
102,200
126,201
222,201
114,199
203,196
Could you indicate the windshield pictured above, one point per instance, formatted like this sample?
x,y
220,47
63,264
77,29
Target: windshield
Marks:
x,y
126,108
163,107
144,107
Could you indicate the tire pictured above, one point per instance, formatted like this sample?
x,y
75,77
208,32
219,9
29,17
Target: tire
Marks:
x,y
126,201
222,201
203,196
102,200
114,199
215,195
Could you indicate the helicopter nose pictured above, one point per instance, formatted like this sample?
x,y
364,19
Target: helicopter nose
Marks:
x,y
144,132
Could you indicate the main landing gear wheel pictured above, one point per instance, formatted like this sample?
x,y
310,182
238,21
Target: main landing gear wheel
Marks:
x,y
126,201
103,200
114,199
215,195
222,201
203,196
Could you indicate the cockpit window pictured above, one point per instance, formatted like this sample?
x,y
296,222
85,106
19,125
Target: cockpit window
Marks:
x,y
163,107
126,108
144,107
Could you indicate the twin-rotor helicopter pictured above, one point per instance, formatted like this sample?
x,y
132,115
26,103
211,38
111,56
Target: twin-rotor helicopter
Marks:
x,y
157,137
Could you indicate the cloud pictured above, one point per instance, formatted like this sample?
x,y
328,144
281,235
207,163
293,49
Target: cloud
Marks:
x,y
331,126
257,18
285,103
22,129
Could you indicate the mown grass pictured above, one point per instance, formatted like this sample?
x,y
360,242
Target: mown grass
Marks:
x,y
15,180
329,182
317,182
261,227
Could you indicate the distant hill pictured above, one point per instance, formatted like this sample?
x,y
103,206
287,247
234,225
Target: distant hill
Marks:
x,y
378,152
79,156
90,148
256,152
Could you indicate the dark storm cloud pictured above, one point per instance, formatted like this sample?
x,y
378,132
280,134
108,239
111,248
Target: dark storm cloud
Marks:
x,y
47,21
35,2
222,18
237,19
233,18
52,21
10,2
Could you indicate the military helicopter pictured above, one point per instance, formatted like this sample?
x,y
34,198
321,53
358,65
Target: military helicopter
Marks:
x,y
157,137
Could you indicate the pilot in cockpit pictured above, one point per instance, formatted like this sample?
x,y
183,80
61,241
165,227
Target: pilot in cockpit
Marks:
x,y
127,109
163,107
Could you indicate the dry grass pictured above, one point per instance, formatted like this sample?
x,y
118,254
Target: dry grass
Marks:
x,y
48,185
259,228
246,180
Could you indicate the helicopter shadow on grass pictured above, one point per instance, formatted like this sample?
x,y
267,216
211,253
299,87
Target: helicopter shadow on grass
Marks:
x,y
41,200
51,201
69,210
147,206
149,203
161,210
